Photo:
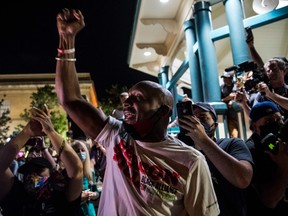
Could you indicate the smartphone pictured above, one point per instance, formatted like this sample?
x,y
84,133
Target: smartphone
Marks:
x,y
34,141
184,108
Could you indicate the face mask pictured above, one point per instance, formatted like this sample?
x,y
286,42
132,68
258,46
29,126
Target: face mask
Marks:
x,y
272,127
208,129
32,182
82,156
39,181
142,128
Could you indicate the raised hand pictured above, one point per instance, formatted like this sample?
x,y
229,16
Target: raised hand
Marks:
x,y
249,37
70,22
42,117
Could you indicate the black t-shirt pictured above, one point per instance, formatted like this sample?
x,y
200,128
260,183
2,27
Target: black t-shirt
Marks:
x,y
49,201
226,90
100,161
264,172
232,200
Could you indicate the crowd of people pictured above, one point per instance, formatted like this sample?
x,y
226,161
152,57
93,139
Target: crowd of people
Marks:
x,y
56,178
129,164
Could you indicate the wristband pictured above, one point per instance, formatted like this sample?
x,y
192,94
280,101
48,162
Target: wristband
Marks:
x,y
66,59
66,51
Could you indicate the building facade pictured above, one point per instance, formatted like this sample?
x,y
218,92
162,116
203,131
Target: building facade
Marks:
x,y
17,89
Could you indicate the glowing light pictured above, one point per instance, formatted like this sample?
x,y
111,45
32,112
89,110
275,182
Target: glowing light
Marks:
x,y
147,53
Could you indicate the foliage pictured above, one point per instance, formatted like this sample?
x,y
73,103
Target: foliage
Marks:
x,y
46,95
4,120
113,99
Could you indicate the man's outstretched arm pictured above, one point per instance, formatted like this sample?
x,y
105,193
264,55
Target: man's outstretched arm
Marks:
x,y
90,119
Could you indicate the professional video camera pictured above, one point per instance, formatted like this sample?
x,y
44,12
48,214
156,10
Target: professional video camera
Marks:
x,y
258,75
242,67
270,141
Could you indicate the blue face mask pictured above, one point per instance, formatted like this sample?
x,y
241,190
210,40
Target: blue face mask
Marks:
x,y
82,156
208,129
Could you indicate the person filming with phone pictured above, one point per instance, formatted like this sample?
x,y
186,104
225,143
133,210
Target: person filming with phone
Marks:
x,y
229,159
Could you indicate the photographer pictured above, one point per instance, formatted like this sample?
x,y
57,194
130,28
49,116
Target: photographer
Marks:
x,y
270,178
275,70
228,91
256,56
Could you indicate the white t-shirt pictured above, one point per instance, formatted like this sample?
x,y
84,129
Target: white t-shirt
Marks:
x,y
118,114
160,178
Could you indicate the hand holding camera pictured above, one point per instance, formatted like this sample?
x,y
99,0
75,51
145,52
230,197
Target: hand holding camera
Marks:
x,y
271,141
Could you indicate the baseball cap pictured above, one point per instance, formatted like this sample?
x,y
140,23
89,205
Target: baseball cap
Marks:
x,y
262,109
33,164
227,74
208,108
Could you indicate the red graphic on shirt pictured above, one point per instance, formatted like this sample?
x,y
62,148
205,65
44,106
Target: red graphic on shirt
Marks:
x,y
127,161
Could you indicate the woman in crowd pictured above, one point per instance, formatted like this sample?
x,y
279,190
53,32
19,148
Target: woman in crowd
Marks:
x,y
89,192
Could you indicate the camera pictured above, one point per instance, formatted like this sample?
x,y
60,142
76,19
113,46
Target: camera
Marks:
x,y
243,67
257,77
239,69
270,141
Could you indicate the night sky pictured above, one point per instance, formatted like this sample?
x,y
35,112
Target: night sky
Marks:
x,y
30,39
